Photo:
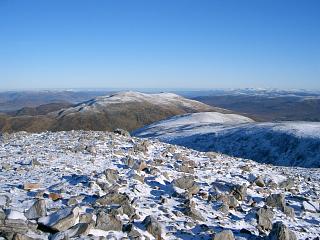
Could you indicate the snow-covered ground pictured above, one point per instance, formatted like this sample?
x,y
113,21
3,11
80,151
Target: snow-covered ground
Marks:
x,y
106,185
280,143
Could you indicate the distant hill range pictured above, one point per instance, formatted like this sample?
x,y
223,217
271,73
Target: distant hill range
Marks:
x,y
263,105
127,110
14,100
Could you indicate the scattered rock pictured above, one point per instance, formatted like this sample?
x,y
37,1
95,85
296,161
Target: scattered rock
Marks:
x,y
259,182
224,235
276,200
35,163
112,175
37,210
122,132
187,183
107,221
153,227
287,185
264,218
240,192
139,165
232,202
309,206
4,201
115,198
55,196
75,200
289,211
31,186
281,232
61,220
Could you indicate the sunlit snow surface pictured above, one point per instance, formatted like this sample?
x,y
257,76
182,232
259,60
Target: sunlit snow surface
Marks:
x,y
68,168
280,143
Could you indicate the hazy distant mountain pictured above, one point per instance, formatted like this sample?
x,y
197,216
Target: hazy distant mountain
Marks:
x,y
127,110
15,100
40,110
267,105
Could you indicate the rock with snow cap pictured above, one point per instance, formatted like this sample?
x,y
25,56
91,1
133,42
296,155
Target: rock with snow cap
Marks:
x,y
61,220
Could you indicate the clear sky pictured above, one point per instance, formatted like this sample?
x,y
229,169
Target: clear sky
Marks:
x,y
159,44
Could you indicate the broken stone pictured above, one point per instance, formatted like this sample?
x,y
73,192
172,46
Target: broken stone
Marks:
x,y
108,222
281,232
37,210
276,200
31,186
259,182
112,175
139,165
310,206
4,201
287,185
240,192
264,218
61,220
224,235
75,200
79,229
121,199
289,211
55,196
193,213
153,227
121,132
187,183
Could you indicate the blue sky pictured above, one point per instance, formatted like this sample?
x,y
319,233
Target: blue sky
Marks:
x,y
159,44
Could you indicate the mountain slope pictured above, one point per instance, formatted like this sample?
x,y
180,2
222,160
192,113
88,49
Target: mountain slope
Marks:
x,y
99,185
283,143
127,110
41,109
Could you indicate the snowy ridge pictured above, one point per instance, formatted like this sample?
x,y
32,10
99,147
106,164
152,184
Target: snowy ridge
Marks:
x,y
161,99
87,185
282,143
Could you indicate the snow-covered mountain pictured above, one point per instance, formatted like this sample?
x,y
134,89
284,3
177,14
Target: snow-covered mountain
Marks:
x,y
100,185
282,143
126,110
167,100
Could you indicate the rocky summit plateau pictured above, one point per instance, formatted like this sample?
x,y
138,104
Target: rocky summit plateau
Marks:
x,y
102,185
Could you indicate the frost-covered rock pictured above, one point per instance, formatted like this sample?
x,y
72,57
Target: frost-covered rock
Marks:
x,y
61,220
224,235
218,192
37,210
107,221
281,232
264,218
276,201
153,227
